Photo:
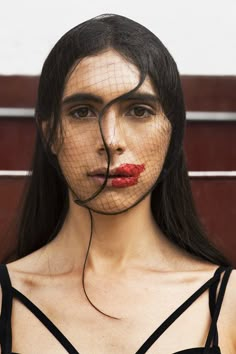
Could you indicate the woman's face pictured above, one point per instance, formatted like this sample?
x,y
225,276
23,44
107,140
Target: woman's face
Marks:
x,y
135,130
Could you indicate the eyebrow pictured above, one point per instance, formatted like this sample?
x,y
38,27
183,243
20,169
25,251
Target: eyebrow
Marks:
x,y
83,96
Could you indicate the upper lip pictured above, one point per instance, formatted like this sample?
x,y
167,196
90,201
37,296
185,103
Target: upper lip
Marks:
x,y
112,172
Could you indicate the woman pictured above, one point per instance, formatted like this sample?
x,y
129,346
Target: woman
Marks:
x,y
109,242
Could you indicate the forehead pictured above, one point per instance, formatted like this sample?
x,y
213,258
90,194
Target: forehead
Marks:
x,y
108,74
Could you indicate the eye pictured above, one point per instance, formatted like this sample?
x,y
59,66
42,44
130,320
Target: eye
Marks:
x,y
140,111
82,112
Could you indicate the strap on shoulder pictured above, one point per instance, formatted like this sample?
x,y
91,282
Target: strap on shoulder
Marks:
x,y
212,305
216,306
6,310
163,327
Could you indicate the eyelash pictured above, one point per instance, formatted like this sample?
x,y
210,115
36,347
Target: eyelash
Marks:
x,y
76,110
148,112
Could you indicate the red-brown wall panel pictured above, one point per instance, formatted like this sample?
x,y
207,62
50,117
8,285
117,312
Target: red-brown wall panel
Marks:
x,y
211,146
10,192
215,201
17,138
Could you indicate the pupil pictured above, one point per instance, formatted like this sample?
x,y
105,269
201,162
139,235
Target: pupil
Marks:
x,y
139,111
83,112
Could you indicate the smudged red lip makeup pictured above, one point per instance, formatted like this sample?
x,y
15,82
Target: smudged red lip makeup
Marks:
x,y
123,176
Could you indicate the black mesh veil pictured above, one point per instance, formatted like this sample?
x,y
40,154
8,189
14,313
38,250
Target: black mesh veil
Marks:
x,y
109,113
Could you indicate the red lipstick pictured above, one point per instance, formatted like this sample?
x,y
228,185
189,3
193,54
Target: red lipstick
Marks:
x,y
125,175
129,174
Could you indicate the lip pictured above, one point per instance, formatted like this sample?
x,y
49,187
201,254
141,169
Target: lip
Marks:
x,y
124,170
124,175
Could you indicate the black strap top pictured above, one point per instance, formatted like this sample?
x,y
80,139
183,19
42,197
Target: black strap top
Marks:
x,y
9,292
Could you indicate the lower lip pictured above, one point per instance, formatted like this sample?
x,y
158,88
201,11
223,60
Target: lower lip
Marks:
x,y
118,182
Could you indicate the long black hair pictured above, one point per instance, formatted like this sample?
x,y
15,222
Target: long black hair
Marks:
x,y
46,201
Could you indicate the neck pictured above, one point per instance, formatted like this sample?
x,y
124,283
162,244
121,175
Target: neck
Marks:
x,y
117,240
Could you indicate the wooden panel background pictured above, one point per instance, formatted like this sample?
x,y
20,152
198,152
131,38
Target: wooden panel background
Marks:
x,y
209,146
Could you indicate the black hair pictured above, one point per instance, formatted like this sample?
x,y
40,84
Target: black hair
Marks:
x,y
46,200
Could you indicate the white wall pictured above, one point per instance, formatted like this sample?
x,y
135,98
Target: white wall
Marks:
x,y
200,34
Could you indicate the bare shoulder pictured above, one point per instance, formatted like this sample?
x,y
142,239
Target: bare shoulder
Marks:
x,y
230,295
231,299
229,307
25,271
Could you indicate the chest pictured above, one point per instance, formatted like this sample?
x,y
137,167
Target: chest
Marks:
x,y
139,312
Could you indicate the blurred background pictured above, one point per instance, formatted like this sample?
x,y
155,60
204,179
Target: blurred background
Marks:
x,y
200,35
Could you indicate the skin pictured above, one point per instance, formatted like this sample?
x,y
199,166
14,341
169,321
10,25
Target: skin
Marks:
x,y
133,272
131,138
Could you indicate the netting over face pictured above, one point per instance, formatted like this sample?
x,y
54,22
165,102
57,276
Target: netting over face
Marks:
x,y
111,153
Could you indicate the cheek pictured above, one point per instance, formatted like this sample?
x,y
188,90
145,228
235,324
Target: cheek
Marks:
x,y
155,147
157,135
73,154
78,142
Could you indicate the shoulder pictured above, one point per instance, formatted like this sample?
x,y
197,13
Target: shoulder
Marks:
x,y
229,306
230,293
24,272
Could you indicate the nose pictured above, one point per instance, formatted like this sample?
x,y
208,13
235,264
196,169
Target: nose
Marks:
x,y
111,127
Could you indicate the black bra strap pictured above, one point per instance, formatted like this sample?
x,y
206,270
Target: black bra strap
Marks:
x,y
162,328
219,301
212,305
6,310
46,321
